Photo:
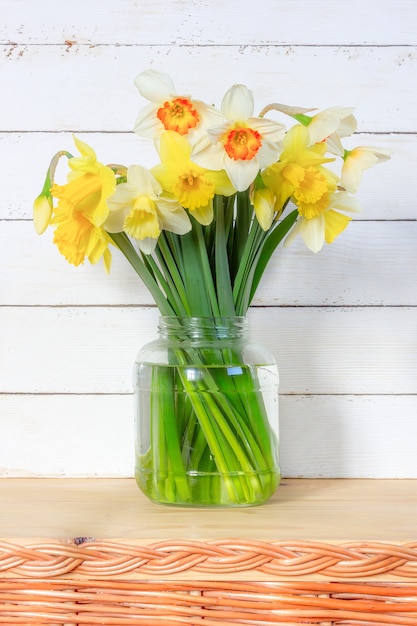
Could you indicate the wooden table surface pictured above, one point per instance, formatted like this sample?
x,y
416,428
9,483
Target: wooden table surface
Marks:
x,y
318,510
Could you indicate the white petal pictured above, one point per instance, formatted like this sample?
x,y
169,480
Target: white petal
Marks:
x,y
238,103
312,233
285,108
351,176
295,230
147,123
367,156
209,115
334,145
215,133
273,131
147,245
204,214
344,202
241,173
347,126
155,86
268,154
207,155
124,196
115,220
327,122
141,178
175,220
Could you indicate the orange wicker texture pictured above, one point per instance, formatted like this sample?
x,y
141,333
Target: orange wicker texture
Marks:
x,y
35,588
70,603
225,556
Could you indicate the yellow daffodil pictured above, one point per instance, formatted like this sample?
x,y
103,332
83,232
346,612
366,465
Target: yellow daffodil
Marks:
x,y
319,223
243,144
299,169
82,209
138,208
357,160
76,238
193,186
301,177
170,111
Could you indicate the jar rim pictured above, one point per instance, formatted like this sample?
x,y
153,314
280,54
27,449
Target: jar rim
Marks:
x,y
207,326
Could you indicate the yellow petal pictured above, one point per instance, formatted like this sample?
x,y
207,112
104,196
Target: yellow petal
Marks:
x,y
204,214
263,201
334,224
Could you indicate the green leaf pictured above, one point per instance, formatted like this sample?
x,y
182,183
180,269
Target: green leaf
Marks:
x,y
223,282
268,248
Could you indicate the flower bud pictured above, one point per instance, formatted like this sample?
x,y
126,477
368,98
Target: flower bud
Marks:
x,y
42,211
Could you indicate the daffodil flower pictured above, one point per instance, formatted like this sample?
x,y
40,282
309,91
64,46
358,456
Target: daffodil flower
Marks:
x,y
193,186
357,160
77,238
322,223
169,110
298,170
82,209
138,208
330,126
243,144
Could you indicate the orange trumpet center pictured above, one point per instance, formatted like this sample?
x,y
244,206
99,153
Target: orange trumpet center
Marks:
x,y
242,143
178,114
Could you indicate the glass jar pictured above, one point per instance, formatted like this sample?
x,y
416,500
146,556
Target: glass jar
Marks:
x,y
206,413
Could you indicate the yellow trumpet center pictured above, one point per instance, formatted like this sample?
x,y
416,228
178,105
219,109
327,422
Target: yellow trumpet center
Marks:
x,y
193,190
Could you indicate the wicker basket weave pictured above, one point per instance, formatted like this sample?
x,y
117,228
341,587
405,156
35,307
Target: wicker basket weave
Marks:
x,y
67,602
92,582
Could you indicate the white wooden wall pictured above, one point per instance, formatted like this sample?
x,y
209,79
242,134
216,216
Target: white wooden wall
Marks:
x,y
342,323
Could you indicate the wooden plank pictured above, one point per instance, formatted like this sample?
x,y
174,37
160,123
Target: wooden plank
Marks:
x,y
183,22
348,436
319,510
70,435
321,436
319,350
386,192
91,87
355,270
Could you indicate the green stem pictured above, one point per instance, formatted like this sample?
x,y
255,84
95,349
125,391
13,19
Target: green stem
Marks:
x,y
172,275
167,436
208,276
124,244
223,282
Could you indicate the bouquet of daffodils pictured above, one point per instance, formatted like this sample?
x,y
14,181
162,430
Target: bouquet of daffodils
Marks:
x,y
200,227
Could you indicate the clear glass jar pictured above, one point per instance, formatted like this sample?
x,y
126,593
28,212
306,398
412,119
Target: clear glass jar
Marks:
x,y
206,412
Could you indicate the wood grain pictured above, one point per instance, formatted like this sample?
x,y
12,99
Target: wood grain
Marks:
x,y
330,510
182,22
